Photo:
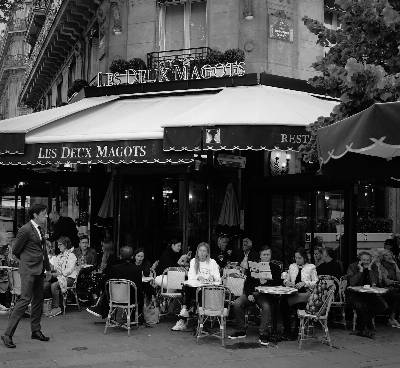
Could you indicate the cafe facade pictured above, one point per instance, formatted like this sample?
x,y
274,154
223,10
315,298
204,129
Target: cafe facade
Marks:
x,y
147,161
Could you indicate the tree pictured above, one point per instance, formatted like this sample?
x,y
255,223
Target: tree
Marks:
x,y
362,65
7,7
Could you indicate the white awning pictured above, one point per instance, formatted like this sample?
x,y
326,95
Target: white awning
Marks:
x,y
256,105
121,119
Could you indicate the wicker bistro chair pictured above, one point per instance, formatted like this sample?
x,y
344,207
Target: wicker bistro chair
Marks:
x,y
317,310
339,301
71,290
214,306
120,299
171,285
235,283
14,279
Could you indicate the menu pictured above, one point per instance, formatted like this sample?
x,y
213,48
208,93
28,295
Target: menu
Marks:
x,y
260,270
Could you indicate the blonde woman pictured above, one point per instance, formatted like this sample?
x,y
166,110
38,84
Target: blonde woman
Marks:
x,y
202,269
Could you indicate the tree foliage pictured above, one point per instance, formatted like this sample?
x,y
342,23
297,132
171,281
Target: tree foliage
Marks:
x,y
362,65
7,7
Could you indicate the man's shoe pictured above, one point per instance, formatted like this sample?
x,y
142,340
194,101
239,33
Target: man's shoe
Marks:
x,y
264,340
237,335
38,335
7,341
54,312
95,311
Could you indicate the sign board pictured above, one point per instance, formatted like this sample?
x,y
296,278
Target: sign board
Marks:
x,y
172,73
281,28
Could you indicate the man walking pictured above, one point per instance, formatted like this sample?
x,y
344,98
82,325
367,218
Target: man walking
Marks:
x,y
30,249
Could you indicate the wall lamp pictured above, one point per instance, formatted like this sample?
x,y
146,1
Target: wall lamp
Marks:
x,y
248,13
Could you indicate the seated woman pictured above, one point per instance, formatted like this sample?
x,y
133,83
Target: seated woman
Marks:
x,y
390,273
264,301
365,272
171,257
65,273
202,269
302,276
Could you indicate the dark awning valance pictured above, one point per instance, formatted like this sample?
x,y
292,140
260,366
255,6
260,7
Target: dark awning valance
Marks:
x,y
12,143
243,137
102,152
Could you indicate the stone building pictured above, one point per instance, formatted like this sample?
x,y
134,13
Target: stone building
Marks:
x,y
77,39
14,53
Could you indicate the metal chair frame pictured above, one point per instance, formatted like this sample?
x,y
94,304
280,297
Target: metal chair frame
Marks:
x,y
174,291
212,313
307,320
339,301
71,289
122,302
14,279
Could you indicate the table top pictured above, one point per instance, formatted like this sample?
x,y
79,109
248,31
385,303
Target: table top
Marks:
x,y
147,278
277,290
86,266
196,283
371,289
8,268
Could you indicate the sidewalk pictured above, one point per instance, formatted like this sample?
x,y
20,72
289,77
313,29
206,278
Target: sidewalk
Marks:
x,y
77,341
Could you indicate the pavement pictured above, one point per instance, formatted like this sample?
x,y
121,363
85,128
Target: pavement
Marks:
x,y
78,341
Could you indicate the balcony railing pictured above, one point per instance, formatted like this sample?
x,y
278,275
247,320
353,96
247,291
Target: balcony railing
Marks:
x,y
160,58
15,61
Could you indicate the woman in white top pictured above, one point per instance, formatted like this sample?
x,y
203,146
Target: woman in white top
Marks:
x,y
65,272
302,276
202,270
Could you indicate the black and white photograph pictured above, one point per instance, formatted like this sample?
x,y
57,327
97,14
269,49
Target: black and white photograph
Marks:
x,y
199,183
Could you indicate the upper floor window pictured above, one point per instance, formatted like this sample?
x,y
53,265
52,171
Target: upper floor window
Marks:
x,y
183,24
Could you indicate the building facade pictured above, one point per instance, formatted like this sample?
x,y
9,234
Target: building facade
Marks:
x,y
72,40
14,52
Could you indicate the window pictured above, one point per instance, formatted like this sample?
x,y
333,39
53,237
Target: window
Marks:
x,y
59,93
183,25
49,100
71,73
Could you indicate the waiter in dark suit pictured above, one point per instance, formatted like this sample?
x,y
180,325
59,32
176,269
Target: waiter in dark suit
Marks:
x,y
30,249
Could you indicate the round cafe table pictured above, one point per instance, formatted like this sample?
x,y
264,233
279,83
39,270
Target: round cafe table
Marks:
x,y
147,278
278,292
368,290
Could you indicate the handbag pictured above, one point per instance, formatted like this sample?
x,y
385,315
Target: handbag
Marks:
x,y
151,312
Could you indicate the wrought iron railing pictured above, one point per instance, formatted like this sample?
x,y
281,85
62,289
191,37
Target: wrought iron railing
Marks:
x,y
159,58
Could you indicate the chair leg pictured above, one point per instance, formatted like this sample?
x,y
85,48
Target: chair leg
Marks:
x,y
128,320
108,319
64,302
77,300
301,332
354,319
326,330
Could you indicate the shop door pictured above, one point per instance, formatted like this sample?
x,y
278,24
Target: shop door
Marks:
x,y
290,223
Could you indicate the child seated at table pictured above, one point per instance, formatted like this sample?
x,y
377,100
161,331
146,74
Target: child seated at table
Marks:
x,y
270,276
202,269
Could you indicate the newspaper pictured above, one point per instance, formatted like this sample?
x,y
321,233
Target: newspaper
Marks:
x,y
260,270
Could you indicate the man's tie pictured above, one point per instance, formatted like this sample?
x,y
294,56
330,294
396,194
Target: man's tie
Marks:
x,y
43,240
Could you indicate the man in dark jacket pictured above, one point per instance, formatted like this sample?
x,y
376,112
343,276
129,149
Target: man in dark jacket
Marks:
x,y
64,226
222,254
246,254
124,269
365,272
30,249
269,277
